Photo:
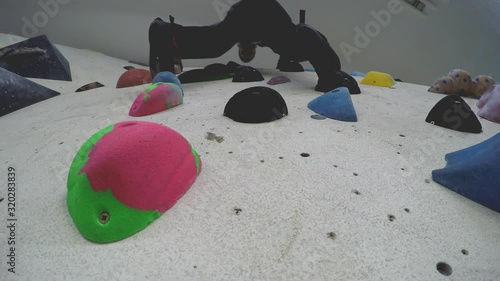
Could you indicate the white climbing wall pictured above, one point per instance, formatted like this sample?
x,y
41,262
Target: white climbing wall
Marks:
x,y
360,206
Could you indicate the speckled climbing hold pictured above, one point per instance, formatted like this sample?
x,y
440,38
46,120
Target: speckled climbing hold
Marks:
x,y
134,77
443,85
336,104
480,84
276,80
36,57
473,173
462,82
256,105
158,97
489,104
247,74
379,79
110,197
454,113
17,92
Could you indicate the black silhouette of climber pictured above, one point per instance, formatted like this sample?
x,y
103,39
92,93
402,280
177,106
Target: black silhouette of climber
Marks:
x,y
262,22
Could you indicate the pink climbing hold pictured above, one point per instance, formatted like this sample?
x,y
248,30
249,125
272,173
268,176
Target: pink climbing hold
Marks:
x,y
158,97
134,77
278,80
489,104
147,166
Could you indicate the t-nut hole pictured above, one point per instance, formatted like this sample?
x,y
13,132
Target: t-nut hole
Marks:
x,y
104,217
444,268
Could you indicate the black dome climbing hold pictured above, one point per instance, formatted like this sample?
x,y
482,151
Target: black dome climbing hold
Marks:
x,y
247,74
256,105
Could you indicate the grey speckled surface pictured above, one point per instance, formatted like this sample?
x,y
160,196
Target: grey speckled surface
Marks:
x,y
288,206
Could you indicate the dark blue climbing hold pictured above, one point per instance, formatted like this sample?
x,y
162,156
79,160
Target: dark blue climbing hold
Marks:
x,y
247,74
17,92
256,105
473,173
318,117
35,58
358,73
168,77
336,104
454,113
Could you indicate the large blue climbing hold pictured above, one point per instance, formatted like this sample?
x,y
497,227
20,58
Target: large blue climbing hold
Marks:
x,y
36,57
17,92
336,104
473,173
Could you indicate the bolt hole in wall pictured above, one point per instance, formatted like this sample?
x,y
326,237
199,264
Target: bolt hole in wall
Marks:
x,y
444,268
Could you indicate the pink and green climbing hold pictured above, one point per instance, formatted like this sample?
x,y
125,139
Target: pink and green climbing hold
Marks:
x,y
157,97
125,176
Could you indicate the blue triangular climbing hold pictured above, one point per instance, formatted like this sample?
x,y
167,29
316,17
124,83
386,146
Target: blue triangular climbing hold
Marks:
x,y
35,58
473,173
336,104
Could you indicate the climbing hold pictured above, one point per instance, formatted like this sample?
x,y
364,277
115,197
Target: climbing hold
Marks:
x,y
349,82
134,77
89,86
158,97
290,66
380,79
480,84
211,72
232,67
36,57
167,77
489,104
110,197
444,85
454,113
336,104
473,173
256,105
462,82
247,74
17,92
357,73
278,80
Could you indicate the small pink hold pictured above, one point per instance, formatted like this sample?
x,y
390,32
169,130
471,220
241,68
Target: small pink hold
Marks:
x,y
278,80
134,77
489,104
177,69
158,97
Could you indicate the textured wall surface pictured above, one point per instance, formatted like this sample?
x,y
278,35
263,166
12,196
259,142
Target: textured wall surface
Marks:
x,y
361,206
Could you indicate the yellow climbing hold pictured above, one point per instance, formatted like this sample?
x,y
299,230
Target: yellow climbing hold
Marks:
x,y
380,79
